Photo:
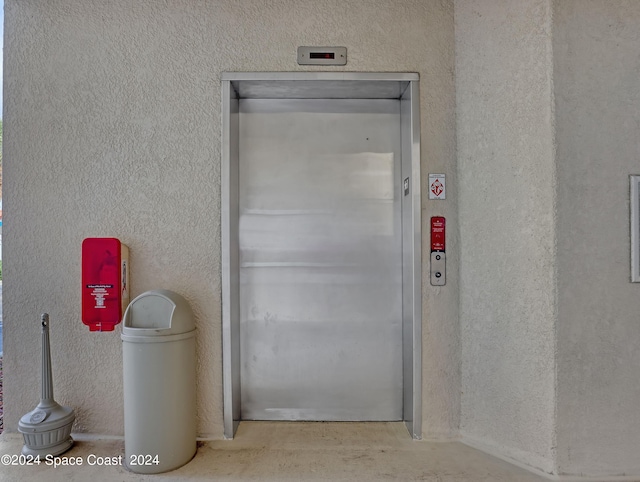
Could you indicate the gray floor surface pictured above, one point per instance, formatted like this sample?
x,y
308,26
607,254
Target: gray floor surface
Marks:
x,y
287,451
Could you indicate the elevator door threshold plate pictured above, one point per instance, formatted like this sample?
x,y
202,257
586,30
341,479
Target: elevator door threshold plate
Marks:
x,y
292,434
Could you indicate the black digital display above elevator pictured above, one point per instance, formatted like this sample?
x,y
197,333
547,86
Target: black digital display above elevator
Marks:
x,y
322,55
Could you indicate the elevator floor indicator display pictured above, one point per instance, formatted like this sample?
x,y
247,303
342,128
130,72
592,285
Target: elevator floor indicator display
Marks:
x,y
322,55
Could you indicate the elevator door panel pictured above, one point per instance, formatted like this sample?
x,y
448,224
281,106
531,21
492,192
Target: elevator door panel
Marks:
x,y
320,260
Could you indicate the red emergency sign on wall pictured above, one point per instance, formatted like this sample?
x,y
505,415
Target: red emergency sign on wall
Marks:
x,y
105,282
437,234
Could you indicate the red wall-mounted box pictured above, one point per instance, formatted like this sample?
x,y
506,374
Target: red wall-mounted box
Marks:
x,y
105,282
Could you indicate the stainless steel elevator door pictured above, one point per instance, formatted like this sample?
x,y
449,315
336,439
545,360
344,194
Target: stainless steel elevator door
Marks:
x,y
320,259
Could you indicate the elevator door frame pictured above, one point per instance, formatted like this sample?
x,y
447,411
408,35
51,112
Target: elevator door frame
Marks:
x,y
403,87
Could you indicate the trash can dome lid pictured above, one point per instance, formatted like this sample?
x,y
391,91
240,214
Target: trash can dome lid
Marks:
x,y
158,313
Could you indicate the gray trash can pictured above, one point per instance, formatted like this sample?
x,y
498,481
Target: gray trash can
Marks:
x,y
159,362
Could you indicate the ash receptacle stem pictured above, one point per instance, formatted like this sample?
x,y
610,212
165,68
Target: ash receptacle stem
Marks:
x,y
46,395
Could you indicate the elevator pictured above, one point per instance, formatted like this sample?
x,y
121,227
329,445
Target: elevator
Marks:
x,y
321,245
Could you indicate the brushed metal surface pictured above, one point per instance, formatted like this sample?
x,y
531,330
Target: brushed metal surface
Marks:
x,y
322,85
411,261
320,89
319,85
438,269
634,181
320,260
240,77
230,261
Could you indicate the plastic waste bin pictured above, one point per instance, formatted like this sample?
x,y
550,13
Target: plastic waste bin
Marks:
x,y
159,362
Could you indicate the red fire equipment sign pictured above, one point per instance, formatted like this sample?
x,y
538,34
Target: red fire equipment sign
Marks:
x,y
437,234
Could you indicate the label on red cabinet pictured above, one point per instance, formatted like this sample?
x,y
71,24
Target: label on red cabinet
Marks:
x,y
437,234
99,293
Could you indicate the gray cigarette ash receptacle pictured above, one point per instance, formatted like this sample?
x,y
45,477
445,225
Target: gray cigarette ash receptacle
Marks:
x,y
159,362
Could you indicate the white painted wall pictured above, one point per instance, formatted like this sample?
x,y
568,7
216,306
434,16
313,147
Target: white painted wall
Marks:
x,y
547,128
597,90
506,175
112,128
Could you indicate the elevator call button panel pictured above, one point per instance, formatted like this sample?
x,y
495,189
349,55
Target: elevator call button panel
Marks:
x,y
438,255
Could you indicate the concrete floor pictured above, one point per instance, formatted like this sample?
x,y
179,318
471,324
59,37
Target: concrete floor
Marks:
x,y
280,451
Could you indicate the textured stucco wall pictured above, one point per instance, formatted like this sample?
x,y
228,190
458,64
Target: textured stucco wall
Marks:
x,y
596,77
506,175
112,126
